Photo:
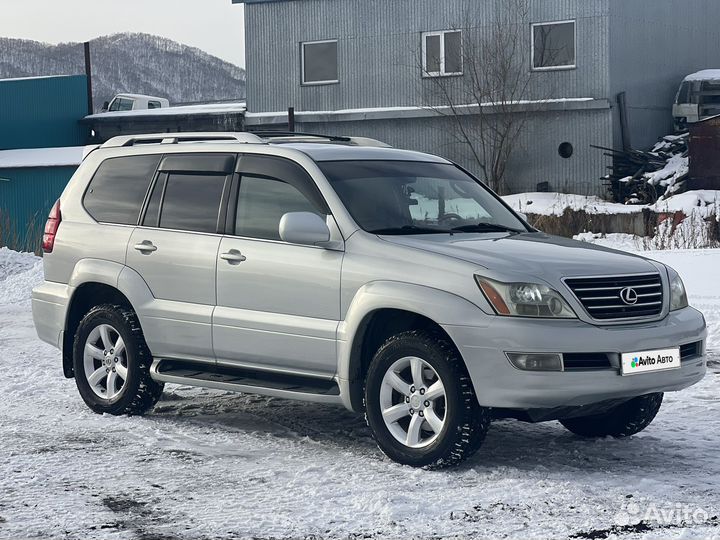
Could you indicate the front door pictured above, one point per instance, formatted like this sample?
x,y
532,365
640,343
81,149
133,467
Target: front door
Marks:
x,y
278,303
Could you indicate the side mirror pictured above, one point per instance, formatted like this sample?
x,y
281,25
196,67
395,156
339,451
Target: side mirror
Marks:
x,y
523,216
106,106
304,228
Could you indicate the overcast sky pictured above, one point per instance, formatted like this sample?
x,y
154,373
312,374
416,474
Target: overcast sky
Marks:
x,y
216,26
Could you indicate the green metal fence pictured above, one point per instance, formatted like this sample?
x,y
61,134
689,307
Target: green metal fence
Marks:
x,y
26,196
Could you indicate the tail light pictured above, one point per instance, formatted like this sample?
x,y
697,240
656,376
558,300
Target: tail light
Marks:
x,y
51,228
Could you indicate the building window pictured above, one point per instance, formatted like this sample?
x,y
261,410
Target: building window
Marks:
x,y
319,62
553,45
442,53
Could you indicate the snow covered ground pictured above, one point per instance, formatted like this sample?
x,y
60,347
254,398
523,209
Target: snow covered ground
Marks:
x,y
208,464
706,202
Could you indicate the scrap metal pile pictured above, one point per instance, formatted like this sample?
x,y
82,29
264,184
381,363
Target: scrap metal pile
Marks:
x,y
639,177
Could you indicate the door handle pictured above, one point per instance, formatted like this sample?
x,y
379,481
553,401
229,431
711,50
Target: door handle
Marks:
x,y
146,246
233,257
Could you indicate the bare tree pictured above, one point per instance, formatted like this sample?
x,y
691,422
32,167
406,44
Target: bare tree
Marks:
x,y
487,106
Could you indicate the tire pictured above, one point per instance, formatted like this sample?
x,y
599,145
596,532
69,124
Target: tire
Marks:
x,y
624,420
98,366
464,422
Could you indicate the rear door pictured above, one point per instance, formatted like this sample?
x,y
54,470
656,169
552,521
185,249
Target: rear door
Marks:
x,y
175,251
278,303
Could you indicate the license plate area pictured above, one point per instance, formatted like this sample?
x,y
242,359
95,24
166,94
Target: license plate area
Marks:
x,y
653,361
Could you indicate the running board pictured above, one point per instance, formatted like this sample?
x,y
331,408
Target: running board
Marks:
x,y
236,379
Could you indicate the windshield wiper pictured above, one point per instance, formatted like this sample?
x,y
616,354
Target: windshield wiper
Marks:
x,y
486,227
410,229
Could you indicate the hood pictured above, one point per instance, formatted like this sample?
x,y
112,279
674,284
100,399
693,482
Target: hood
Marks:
x,y
538,254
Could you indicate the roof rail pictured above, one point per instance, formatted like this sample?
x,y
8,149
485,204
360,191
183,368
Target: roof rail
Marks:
x,y
296,136
175,138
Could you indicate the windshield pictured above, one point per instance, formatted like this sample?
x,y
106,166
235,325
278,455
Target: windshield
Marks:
x,y
410,197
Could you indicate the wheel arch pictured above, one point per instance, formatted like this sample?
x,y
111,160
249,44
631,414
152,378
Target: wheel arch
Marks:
x,y
95,282
383,309
85,297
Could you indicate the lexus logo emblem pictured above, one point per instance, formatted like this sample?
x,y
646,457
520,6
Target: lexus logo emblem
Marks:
x,y
629,296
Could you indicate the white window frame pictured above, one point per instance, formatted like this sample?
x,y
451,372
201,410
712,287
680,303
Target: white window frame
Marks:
x,y
442,72
302,63
532,46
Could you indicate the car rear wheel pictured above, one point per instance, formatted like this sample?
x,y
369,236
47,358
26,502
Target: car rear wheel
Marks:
x,y
112,363
420,403
623,420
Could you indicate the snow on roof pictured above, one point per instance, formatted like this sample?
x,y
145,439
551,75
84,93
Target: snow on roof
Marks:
x,y
421,107
138,96
208,108
705,75
70,156
35,78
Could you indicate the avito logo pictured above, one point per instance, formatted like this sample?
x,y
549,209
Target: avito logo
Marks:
x,y
638,361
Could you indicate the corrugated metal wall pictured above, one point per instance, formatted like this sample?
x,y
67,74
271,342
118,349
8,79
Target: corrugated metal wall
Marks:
x,y
379,49
379,43
536,158
42,112
654,45
26,196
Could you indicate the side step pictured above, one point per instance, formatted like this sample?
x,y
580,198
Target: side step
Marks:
x,y
238,379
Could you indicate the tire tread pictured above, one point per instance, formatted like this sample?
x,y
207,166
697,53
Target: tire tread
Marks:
x,y
474,420
148,391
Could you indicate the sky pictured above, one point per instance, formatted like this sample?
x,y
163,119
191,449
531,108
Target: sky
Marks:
x,y
215,26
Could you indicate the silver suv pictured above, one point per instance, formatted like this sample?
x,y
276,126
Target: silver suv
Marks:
x,y
339,270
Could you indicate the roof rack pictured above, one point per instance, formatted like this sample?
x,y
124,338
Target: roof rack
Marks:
x,y
176,138
297,136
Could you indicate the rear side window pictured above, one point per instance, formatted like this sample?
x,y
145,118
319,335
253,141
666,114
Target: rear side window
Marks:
x,y
192,202
117,191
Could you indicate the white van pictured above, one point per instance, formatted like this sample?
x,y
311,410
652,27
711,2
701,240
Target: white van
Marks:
x,y
135,102
698,98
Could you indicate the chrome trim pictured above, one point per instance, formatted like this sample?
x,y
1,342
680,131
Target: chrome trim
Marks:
x,y
664,292
245,389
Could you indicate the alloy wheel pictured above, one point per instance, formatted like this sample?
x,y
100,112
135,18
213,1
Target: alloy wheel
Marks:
x,y
105,361
413,403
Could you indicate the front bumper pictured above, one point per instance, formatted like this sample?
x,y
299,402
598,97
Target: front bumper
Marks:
x,y
498,384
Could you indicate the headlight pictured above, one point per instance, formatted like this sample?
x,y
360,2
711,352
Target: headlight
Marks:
x,y
525,299
678,295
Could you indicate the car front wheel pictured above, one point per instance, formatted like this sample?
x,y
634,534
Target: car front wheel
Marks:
x,y
420,403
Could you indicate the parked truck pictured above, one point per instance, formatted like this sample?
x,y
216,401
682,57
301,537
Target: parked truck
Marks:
x,y
135,102
698,98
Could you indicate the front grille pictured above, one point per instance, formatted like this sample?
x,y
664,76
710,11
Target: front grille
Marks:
x,y
690,350
585,361
602,296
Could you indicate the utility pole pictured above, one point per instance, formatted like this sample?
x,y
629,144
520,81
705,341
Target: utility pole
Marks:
x,y
88,75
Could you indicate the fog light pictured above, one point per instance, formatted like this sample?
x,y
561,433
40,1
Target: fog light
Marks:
x,y
536,362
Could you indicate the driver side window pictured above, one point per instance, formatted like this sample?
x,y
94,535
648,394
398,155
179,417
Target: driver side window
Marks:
x,y
263,202
270,188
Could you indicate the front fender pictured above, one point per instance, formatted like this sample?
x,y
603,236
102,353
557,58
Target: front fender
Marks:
x,y
442,307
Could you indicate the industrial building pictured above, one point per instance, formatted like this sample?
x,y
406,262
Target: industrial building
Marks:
x,y
41,145
349,67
